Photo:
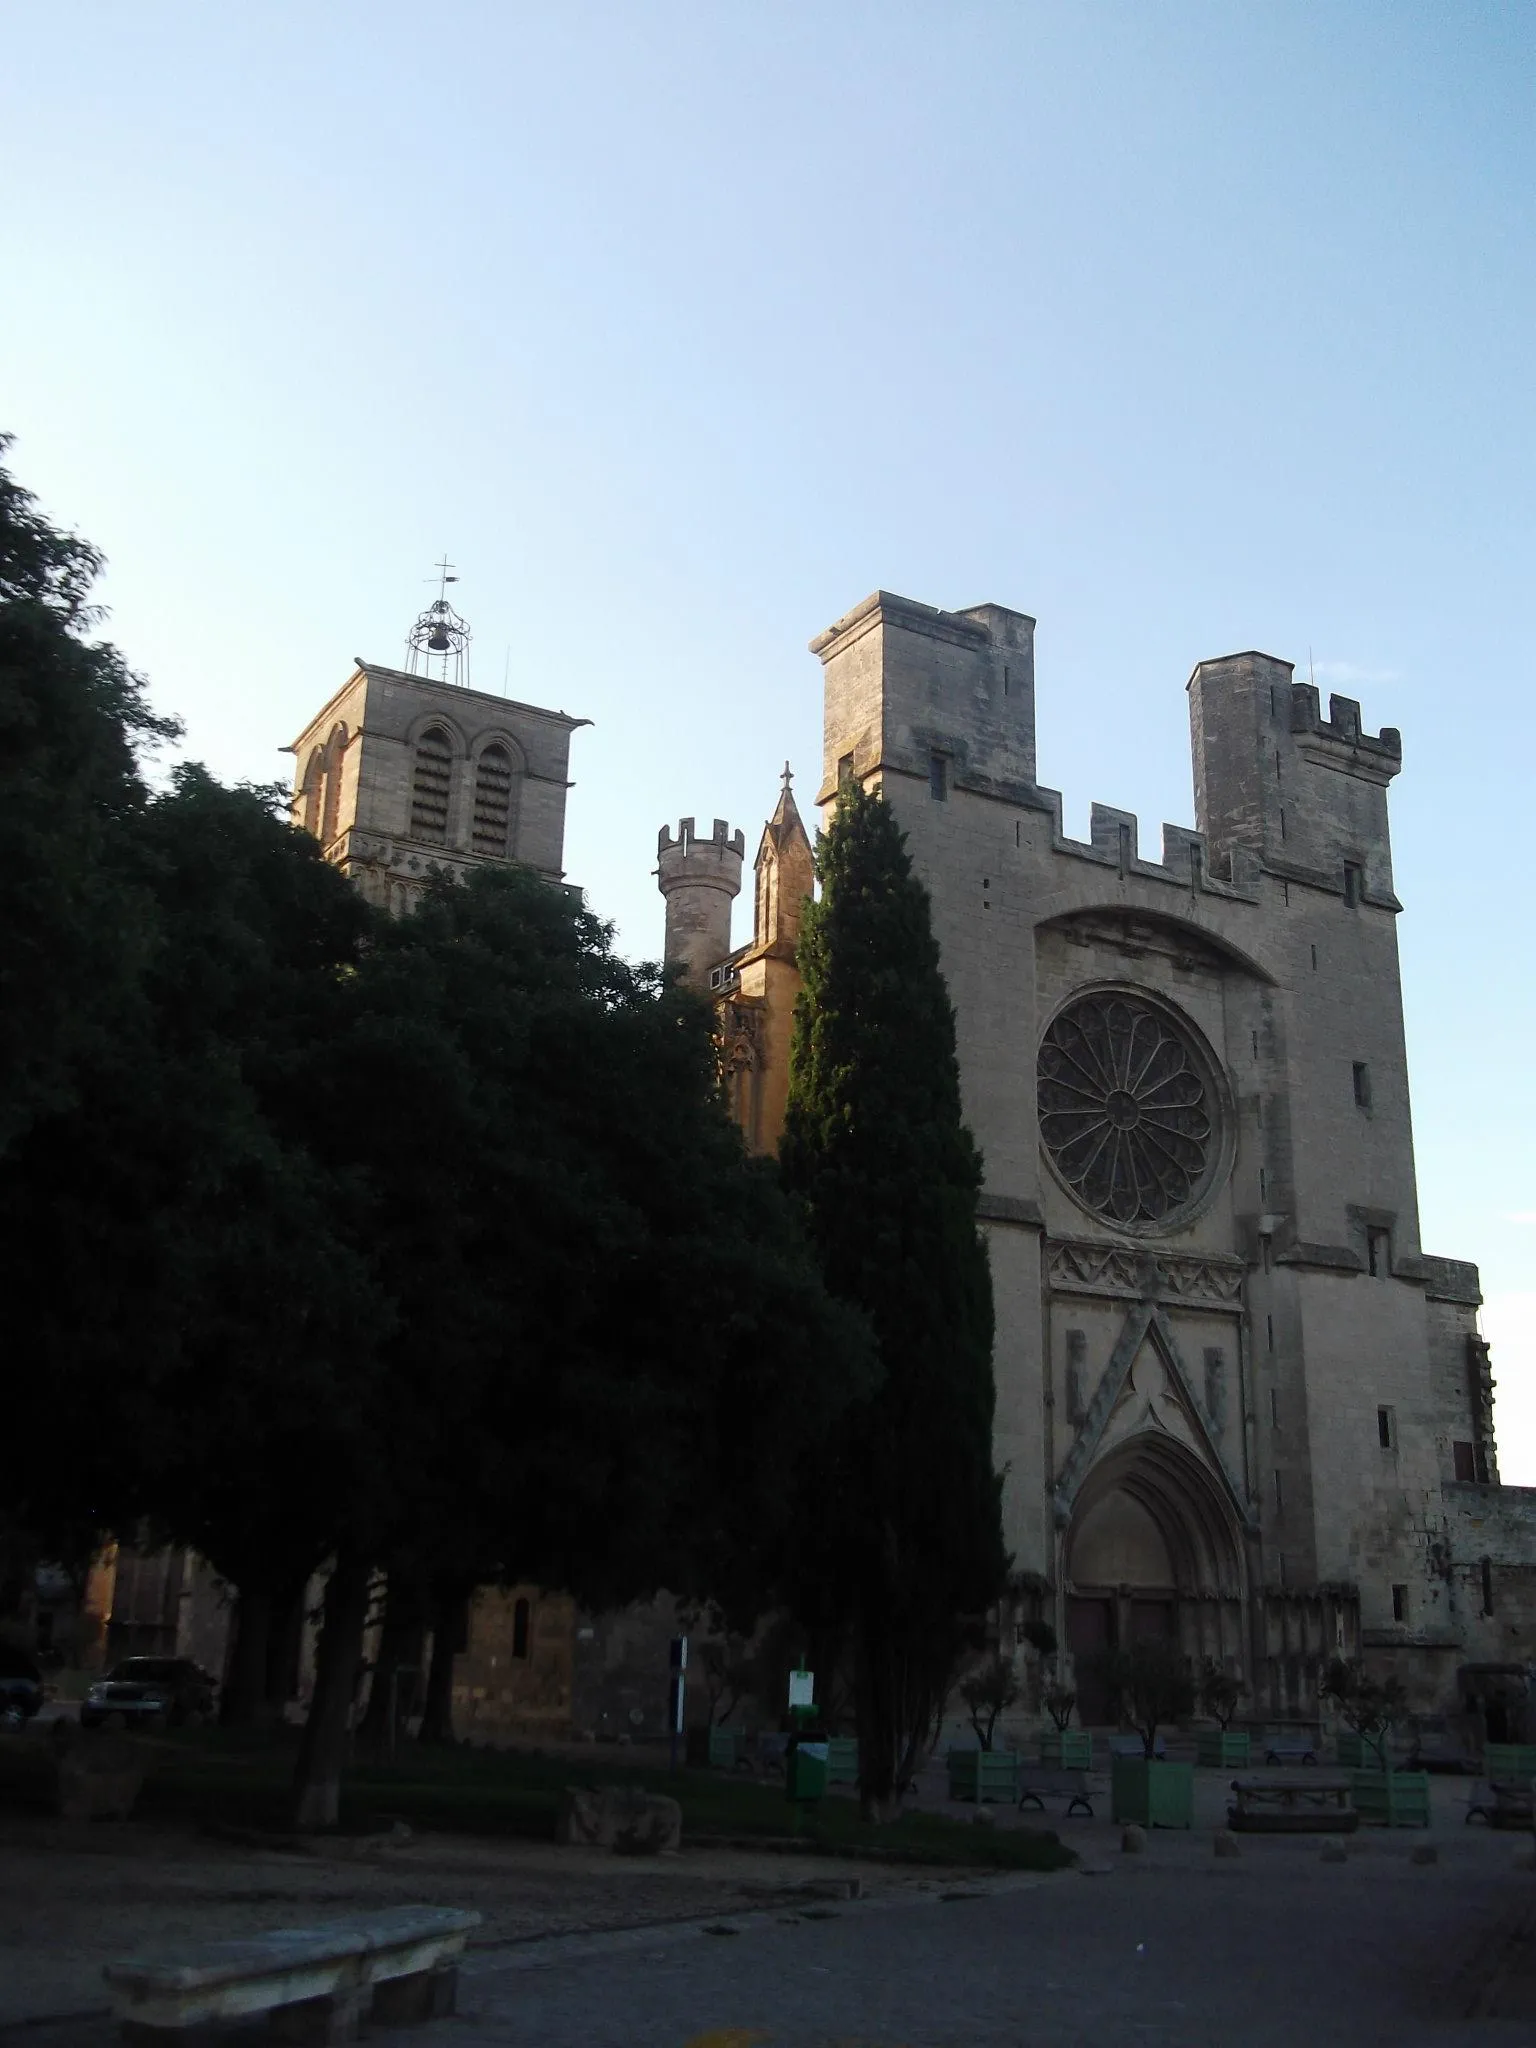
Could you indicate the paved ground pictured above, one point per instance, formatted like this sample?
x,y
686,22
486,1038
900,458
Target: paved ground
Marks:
x,y
721,1950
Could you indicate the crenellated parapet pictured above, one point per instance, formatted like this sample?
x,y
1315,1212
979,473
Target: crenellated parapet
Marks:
x,y
1114,843
1378,756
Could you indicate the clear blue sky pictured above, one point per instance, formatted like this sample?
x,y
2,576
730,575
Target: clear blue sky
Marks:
x,y
681,327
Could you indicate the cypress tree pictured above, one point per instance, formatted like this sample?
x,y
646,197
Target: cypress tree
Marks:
x,y
908,1531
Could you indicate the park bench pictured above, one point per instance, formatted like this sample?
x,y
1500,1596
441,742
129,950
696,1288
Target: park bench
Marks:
x,y
1282,1802
1038,1782
394,1967
1132,1745
1290,1749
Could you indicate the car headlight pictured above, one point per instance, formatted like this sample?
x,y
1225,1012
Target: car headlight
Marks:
x,y
96,1695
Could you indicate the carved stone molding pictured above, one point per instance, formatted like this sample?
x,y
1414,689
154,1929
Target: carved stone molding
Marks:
x,y
1123,1273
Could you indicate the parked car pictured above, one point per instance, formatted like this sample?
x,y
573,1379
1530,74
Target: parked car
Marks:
x,y
153,1691
21,1685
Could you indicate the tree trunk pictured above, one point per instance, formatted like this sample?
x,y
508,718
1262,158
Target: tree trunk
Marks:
x,y
245,1671
322,1753
285,1646
875,1713
447,1633
400,1646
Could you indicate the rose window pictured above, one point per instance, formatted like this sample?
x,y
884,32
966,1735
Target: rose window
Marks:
x,y
1126,1109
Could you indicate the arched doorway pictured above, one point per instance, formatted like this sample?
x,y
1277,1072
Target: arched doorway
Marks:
x,y
1153,1549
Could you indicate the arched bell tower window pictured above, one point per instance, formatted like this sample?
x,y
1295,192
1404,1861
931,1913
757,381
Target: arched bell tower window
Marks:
x,y
312,794
430,786
335,758
493,802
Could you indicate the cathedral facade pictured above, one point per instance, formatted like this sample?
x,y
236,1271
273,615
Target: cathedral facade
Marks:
x,y
1237,1402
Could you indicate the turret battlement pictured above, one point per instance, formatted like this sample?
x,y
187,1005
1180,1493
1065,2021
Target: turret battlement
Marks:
x,y
721,844
1382,751
700,879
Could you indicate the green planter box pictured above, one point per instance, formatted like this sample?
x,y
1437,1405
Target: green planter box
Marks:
x,y
1392,1799
1067,1749
984,1775
1504,1761
1155,1794
843,1760
714,1748
1223,1749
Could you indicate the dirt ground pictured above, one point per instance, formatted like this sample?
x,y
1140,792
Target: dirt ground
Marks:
x,y
72,1898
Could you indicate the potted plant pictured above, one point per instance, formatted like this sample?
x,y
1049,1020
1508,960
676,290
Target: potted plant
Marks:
x,y
1154,1684
989,1691
1220,1694
1371,1707
1062,1745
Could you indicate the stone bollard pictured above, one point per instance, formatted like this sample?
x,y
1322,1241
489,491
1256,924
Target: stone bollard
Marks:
x,y
1225,1843
1333,1849
1134,1839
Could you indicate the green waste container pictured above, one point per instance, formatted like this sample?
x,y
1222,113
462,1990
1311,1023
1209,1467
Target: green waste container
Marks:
x,y
806,1767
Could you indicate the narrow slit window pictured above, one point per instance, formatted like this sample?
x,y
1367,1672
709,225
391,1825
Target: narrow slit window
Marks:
x,y
1378,1253
1354,884
1487,1585
844,770
938,777
430,785
1386,1428
1466,1463
1362,1074
1399,1603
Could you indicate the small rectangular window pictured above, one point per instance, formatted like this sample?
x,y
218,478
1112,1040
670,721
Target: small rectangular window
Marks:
x,y
1399,1603
1466,1463
1282,821
1269,1331
938,777
1386,1428
1279,1495
1263,1192
1362,1075
1274,1407
1314,959
844,771
1487,1585
1005,678
1354,884
1378,1253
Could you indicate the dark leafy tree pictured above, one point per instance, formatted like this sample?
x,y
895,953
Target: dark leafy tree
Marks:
x,y
909,1548
73,724
1153,1684
609,1345
988,1692
1368,1704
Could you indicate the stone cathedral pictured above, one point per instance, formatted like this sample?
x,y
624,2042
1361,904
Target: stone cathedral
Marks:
x,y
1237,1403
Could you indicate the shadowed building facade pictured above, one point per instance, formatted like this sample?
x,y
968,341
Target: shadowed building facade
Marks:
x,y
1237,1402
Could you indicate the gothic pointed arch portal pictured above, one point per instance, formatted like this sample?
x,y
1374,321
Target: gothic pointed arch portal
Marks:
x,y
1153,1548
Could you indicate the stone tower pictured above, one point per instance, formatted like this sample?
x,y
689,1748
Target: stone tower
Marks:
x,y
400,774
700,878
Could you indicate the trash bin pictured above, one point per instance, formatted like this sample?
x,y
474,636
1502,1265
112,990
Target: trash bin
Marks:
x,y
805,1764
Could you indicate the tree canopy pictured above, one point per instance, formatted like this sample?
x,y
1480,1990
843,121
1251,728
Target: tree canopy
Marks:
x,y
877,1153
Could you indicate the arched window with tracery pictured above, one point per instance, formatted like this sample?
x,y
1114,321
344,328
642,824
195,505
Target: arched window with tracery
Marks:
x,y
311,796
492,828
430,785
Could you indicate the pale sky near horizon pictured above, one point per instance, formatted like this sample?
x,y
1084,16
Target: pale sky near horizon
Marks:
x,y
1184,328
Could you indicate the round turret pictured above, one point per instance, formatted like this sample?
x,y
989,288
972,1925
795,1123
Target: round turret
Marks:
x,y
700,878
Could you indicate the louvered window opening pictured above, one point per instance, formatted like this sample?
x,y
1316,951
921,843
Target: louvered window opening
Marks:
x,y
429,788
493,802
